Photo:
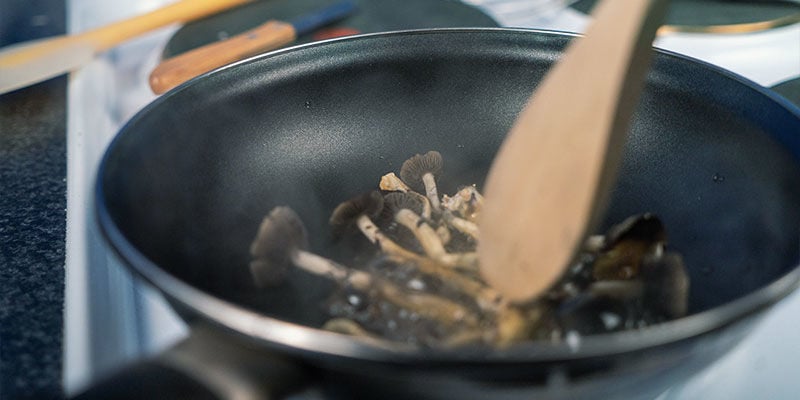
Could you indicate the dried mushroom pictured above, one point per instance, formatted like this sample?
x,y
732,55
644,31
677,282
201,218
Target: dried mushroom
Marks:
x,y
280,236
391,182
626,244
405,207
423,285
420,172
283,233
359,211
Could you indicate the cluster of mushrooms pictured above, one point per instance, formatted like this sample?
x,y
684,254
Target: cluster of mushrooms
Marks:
x,y
421,284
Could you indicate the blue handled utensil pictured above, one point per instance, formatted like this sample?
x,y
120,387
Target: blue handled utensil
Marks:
x,y
268,36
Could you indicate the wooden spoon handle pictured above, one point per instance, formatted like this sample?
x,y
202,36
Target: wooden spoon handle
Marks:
x,y
549,181
30,62
183,67
185,10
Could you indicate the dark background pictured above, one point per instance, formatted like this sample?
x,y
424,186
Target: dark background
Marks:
x,y
32,214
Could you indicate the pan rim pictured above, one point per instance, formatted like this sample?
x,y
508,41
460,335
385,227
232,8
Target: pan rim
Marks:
x,y
295,338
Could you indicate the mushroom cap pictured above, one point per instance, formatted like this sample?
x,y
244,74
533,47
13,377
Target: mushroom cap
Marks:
x,y
281,233
346,213
397,201
415,167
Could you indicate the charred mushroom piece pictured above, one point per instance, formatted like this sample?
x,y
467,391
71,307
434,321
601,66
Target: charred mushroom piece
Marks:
x,y
420,172
390,182
359,211
666,285
626,244
659,293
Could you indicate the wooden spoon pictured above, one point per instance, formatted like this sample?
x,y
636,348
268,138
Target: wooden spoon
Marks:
x,y
550,180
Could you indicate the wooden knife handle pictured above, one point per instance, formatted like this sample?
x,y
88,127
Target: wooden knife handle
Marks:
x,y
181,68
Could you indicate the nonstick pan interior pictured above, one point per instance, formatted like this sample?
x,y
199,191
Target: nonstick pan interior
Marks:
x,y
187,181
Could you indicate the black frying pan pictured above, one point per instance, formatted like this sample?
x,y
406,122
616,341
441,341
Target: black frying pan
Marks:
x,y
183,187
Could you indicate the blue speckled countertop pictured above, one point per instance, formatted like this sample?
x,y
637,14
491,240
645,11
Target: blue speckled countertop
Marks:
x,y
32,215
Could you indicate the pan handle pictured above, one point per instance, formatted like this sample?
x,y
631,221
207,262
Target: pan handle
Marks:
x,y
206,365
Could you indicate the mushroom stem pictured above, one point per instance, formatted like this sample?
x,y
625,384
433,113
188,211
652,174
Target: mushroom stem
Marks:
x,y
485,297
427,305
427,237
466,261
426,205
368,228
431,191
322,266
462,225
420,171
386,244
358,211
432,243
394,250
